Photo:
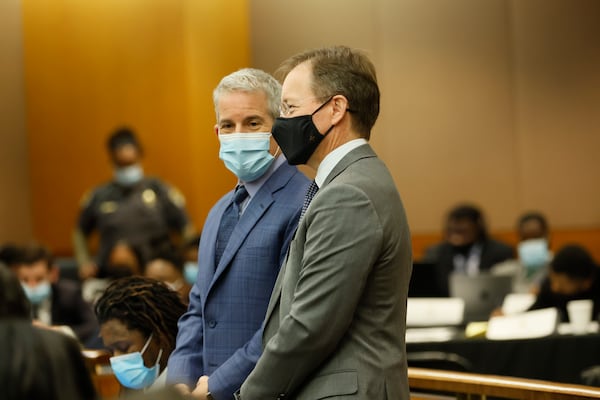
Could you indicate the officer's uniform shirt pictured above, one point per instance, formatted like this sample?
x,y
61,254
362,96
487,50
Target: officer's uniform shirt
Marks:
x,y
141,214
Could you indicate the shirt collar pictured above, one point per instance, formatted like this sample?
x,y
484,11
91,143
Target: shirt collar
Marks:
x,y
333,158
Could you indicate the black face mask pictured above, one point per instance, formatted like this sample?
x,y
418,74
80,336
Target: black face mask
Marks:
x,y
298,137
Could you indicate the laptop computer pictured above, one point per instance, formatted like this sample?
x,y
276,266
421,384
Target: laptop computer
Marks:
x,y
482,293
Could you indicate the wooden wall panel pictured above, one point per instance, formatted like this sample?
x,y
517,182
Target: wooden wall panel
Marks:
x,y
93,65
15,201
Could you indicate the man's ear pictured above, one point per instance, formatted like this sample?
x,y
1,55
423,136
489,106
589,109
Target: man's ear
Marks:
x,y
216,129
340,105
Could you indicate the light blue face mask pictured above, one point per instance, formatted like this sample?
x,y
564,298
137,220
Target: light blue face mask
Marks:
x,y
129,176
38,293
190,272
131,371
246,154
533,254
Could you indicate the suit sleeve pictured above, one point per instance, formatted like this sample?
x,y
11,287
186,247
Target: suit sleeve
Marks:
x,y
69,308
343,239
185,363
228,378
88,324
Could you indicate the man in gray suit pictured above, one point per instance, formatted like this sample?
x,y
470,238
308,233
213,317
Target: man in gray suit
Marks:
x,y
336,320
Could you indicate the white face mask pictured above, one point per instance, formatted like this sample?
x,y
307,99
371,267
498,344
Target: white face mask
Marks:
x,y
129,176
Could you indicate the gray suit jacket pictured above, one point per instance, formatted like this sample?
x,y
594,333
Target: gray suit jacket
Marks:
x,y
336,320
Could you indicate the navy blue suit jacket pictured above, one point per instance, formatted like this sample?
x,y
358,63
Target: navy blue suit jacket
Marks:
x,y
220,334
69,308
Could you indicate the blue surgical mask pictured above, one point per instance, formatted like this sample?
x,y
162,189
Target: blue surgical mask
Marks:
x,y
533,254
39,293
246,154
131,371
129,176
190,271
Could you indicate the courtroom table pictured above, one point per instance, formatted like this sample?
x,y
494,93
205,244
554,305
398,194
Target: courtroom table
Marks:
x,y
557,358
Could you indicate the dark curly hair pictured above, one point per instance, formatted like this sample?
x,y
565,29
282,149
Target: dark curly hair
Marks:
x,y
143,304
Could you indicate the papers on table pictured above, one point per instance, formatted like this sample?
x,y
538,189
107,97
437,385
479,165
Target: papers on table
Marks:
x,y
437,334
531,324
443,311
515,303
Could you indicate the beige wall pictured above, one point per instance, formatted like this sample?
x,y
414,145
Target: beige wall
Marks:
x,y
494,102
15,201
557,107
490,101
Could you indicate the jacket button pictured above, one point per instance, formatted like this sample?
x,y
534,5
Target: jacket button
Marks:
x,y
212,323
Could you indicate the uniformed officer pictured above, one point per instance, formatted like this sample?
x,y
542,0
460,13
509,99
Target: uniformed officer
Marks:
x,y
139,210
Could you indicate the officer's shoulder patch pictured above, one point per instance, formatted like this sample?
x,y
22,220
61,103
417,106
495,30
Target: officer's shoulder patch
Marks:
x,y
149,197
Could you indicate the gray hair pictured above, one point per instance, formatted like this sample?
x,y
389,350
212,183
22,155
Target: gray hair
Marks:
x,y
250,80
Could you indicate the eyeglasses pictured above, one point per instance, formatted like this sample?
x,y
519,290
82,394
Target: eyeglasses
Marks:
x,y
286,109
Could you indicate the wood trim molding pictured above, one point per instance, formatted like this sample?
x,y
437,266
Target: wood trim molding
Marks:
x,y
493,385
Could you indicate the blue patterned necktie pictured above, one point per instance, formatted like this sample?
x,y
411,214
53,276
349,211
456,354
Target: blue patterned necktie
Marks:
x,y
310,193
228,221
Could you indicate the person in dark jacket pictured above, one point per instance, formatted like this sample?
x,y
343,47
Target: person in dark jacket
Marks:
x,y
573,275
467,247
54,302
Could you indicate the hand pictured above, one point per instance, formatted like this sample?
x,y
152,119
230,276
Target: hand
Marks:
x,y
497,312
39,324
201,390
88,270
183,389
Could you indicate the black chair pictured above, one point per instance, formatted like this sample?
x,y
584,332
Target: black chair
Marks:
x,y
69,269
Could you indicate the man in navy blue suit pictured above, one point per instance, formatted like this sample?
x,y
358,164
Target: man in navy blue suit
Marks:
x,y
244,242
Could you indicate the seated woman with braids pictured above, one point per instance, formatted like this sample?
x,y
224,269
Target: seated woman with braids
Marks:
x,y
138,324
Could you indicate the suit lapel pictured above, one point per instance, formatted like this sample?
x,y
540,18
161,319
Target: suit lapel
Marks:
x,y
257,207
355,155
255,210
207,246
